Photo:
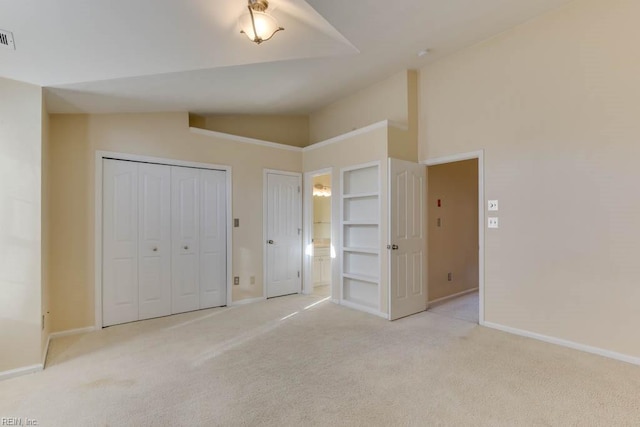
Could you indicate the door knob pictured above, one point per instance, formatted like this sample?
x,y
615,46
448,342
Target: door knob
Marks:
x,y
270,242
186,248
155,249
394,247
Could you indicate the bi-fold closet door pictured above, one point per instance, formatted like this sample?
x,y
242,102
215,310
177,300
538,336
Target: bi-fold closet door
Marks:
x,y
164,240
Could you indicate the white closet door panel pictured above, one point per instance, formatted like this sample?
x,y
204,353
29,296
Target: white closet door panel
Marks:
x,y
120,242
213,239
155,240
185,242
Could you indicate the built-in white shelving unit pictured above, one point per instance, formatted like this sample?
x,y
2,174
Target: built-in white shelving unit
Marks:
x,y
360,220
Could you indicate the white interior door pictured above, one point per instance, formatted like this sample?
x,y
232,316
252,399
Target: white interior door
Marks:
x,y
213,239
407,275
185,241
154,261
120,242
284,235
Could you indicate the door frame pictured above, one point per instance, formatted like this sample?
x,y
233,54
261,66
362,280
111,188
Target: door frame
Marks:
x,y
99,156
307,227
265,207
479,155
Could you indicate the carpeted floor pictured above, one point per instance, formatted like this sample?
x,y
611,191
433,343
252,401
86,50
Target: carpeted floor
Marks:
x,y
284,362
322,291
465,307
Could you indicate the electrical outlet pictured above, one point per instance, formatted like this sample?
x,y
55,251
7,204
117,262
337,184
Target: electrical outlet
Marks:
x,y
493,222
236,280
252,280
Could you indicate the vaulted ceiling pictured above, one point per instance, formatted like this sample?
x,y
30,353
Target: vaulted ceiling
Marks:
x,y
188,55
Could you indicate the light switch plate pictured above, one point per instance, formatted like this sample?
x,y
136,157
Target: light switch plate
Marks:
x,y
493,205
493,222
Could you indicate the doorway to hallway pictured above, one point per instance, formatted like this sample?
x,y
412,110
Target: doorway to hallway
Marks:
x,y
455,238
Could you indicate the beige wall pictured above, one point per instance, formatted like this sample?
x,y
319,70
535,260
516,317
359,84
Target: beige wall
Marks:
x,y
453,246
74,141
401,144
20,243
284,129
554,104
358,149
386,100
71,211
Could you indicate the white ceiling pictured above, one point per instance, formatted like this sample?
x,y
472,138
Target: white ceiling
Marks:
x,y
188,55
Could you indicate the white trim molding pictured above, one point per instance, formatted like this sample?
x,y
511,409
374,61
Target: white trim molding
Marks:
x,y
12,373
481,214
99,156
565,343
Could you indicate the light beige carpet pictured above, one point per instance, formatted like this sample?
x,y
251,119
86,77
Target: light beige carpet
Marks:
x,y
262,364
465,307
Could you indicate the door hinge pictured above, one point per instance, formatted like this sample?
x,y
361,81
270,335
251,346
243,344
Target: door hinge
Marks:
x,y
298,274
299,231
298,189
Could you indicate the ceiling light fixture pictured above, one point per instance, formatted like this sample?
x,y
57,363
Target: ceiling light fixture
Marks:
x,y
320,190
257,24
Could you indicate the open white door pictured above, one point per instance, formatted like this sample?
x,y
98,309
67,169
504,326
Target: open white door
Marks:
x,y
284,234
407,244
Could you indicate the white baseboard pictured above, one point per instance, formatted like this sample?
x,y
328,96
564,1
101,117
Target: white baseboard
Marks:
x,y
5,375
565,343
248,301
459,294
71,332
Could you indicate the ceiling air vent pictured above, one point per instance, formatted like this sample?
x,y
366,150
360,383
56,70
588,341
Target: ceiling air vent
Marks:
x,y
6,40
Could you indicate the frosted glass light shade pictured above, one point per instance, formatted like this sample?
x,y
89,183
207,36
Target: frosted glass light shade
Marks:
x,y
321,191
265,26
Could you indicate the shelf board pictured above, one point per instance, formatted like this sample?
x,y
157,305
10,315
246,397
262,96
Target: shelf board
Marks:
x,y
360,195
361,278
362,222
373,251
